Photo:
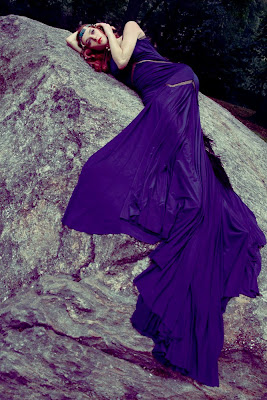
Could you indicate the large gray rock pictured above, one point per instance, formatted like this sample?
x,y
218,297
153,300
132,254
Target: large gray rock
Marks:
x,y
66,296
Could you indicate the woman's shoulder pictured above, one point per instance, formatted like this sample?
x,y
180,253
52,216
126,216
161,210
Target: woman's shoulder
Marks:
x,y
134,27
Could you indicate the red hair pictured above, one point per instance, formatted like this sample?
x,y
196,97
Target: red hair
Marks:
x,y
99,60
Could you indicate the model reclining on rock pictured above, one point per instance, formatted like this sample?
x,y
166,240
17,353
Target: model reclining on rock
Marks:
x,y
159,180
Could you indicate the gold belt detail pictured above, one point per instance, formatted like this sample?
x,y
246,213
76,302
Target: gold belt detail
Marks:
x,y
157,61
182,83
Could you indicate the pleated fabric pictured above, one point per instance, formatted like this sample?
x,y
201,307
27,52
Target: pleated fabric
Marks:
x,y
155,182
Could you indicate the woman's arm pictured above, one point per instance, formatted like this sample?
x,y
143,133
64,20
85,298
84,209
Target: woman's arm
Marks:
x,y
72,42
121,54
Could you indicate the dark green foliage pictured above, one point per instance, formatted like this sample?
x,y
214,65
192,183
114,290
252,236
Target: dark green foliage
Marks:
x,y
224,41
67,14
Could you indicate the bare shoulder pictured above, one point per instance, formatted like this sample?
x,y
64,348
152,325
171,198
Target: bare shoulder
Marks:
x,y
132,27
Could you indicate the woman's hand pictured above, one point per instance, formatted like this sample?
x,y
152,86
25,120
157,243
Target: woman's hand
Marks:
x,y
108,29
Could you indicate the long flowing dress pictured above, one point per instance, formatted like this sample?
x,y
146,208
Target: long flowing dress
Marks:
x,y
155,182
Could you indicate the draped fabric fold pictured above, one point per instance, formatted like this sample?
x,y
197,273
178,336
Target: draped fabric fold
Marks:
x,y
155,182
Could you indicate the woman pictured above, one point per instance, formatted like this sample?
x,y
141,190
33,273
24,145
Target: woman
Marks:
x,y
159,180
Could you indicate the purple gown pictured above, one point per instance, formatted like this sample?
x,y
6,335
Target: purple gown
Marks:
x,y
155,182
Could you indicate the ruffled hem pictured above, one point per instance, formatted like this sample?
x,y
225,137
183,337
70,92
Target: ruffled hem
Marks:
x,y
167,347
178,348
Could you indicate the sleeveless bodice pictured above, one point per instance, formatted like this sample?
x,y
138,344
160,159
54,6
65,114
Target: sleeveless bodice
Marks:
x,y
143,51
147,70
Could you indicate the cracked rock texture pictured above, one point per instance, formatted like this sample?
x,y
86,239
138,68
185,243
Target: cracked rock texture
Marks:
x,y
66,297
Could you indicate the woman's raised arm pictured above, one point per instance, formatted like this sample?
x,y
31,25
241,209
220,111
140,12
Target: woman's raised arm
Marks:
x,y
121,53
72,42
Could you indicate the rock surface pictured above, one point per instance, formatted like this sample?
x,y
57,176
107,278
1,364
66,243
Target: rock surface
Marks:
x,y
66,297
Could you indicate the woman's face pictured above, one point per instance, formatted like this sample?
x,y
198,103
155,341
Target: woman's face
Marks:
x,y
94,39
